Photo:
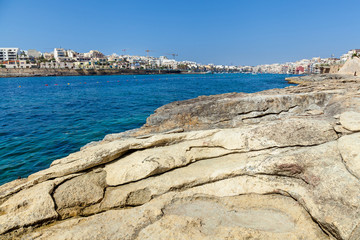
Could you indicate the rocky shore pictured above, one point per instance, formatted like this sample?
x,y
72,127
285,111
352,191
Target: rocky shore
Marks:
x,y
278,164
316,78
46,72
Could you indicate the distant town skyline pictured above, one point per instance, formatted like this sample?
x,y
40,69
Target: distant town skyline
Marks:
x,y
221,32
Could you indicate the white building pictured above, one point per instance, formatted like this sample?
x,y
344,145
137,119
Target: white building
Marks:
x,y
94,54
57,65
48,56
9,54
71,54
25,64
165,62
349,54
59,54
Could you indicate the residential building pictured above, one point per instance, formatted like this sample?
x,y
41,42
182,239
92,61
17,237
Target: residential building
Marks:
x,y
59,54
165,62
9,54
57,65
94,54
25,64
48,56
10,64
72,54
349,54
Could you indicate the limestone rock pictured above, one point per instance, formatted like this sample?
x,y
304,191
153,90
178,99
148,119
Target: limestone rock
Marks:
x,y
231,110
350,121
148,162
75,194
292,132
145,163
29,207
113,224
199,217
241,217
306,177
351,66
349,147
107,152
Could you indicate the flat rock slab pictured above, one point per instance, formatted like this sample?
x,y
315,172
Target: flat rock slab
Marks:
x,y
202,217
214,214
349,147
114,224
241,217
73,195
350,121
28,207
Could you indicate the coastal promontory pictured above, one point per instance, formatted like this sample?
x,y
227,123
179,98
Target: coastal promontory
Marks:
x,y
277,164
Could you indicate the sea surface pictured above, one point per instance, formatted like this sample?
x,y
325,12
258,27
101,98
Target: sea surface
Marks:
x,y
46,118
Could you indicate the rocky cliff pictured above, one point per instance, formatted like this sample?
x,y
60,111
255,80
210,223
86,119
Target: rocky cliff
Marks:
x,y
278,164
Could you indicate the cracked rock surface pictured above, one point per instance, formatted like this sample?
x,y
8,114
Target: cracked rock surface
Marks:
x,y
278,164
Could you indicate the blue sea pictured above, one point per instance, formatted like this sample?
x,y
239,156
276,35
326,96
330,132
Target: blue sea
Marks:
x,y
46,118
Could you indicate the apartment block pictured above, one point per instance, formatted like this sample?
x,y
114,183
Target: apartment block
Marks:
x,y
9,54
59,54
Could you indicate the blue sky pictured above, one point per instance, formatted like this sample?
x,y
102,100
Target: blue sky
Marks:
x,y
239,32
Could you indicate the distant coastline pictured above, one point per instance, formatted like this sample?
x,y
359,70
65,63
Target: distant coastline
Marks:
x,y
36,72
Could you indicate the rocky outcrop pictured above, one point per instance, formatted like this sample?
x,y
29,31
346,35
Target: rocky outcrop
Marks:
x,y
279,164
351,66
316,78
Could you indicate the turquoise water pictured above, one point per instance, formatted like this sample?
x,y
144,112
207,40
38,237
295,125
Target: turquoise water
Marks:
x,y
46,118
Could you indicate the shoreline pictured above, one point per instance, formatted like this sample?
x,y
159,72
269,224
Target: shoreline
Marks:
x,y
293,150
312,78
63,72
47,72
123,84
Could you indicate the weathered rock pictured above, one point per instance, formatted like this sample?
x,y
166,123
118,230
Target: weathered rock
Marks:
x,y
349,147
148,162
350,121
107,152
113,224
79,192
303,173
315,78
241,217
12,187
231,110
200,217
292,132
351,66
29,207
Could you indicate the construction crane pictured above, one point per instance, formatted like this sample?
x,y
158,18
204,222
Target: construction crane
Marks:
x,y
147,52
